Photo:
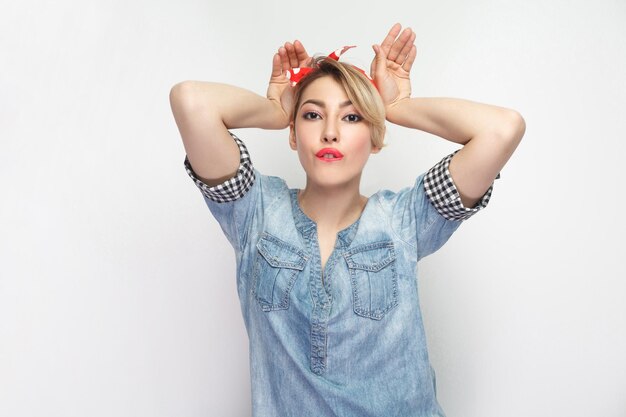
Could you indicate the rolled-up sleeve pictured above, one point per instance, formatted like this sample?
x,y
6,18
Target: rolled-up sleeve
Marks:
x,y
232,189
444,195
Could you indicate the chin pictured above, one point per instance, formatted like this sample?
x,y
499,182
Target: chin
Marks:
x,y
330,180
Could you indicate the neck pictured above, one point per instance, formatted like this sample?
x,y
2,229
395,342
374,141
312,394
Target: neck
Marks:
x,y
332,208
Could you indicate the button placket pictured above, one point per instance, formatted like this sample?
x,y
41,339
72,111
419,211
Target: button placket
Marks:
x,y
321,309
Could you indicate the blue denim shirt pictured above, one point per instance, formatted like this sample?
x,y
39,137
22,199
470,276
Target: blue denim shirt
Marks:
x,y
347,340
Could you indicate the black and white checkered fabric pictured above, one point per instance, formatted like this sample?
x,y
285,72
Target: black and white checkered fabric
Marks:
x,y
443,194
234,188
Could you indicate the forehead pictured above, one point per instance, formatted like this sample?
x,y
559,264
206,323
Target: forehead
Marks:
x,y
324,89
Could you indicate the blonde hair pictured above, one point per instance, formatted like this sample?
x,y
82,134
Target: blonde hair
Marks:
x,y
359,90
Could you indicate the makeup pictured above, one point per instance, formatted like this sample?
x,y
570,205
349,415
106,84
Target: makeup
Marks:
x,y
329,155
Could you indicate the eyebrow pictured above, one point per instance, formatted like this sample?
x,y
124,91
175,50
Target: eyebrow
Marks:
x,y
323,105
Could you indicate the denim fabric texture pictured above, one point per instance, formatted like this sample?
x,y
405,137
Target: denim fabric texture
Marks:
x,y
347,341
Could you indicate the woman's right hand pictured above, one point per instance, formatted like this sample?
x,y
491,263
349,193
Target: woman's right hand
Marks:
x,y
279,91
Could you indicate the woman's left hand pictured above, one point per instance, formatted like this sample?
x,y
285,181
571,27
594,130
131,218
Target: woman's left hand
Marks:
x,y
392,64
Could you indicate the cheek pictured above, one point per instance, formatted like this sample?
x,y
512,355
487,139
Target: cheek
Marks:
x,y
363,140
302,150
306,137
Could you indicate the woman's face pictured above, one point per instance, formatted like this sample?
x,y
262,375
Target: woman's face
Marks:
x,y
332,139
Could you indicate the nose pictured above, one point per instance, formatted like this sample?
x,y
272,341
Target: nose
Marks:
x,y
331,133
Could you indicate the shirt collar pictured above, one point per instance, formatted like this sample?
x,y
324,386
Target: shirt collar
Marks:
x,y
306,226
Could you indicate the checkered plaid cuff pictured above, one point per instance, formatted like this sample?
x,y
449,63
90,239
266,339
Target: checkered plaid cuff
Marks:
x,y
231,189
443,194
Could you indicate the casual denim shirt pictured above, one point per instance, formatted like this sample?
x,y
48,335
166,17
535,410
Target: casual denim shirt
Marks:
x,y
346,340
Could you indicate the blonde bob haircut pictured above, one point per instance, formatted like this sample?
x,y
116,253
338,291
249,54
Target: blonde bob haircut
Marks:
x,y
359,90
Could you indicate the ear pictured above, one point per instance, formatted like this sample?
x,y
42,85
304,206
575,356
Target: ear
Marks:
x,y
292,137
375,149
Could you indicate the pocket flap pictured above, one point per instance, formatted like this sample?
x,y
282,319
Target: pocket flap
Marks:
x,y
280,254
371,257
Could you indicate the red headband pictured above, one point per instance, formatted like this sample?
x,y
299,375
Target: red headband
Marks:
x,y
296,74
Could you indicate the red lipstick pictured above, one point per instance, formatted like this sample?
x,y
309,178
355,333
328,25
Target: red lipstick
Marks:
x,y
329,155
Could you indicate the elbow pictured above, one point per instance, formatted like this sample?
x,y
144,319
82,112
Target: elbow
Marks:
x,y
519,126
181,94
512,128
192,96
195,102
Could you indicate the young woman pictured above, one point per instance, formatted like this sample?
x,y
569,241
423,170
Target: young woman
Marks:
x,y
326,276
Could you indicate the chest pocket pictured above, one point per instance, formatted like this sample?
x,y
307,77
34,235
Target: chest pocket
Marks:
x,y
276,268
374,279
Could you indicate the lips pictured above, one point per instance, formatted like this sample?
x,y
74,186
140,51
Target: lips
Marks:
x,y
329,154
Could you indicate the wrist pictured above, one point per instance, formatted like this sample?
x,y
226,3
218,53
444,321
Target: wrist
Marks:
x,y
395,110
275,116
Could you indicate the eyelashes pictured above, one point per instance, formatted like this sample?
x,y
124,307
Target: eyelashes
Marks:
x,y
350,118
311,115
353,118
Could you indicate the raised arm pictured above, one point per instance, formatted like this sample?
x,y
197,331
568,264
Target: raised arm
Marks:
x,y
490,133
204,111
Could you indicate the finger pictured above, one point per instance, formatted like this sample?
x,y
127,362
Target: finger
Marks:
x,y
379,66
408,64
398,45
402,56
284,59
373,64
276,66
301,54
391,37
291,53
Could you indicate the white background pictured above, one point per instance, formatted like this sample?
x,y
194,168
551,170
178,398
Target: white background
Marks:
x,y
117,287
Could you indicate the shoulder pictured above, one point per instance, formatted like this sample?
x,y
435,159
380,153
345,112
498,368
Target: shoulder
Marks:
x,y
389,199
271,188
271,183
415,219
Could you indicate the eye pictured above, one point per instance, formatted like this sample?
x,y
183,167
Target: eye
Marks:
x,y
311,115
353,118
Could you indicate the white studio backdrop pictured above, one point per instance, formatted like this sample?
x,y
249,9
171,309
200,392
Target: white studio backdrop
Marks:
x,y
117,287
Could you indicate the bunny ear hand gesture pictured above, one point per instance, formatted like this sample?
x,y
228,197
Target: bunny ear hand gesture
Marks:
x,y
291,55
392,64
